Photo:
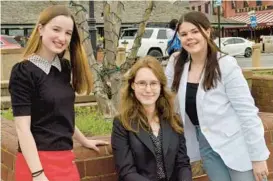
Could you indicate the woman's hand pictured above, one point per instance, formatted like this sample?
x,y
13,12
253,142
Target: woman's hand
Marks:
x,y
260,170
94,143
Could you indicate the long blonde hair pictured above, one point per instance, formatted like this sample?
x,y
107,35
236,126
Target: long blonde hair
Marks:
x,y
131,110
81,74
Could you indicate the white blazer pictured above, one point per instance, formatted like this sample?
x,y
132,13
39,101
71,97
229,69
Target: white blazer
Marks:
x,y
227,116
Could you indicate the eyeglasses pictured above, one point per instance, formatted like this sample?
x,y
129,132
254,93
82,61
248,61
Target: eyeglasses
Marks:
x,y
143,84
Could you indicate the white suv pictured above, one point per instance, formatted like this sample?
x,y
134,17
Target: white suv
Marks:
x,y
154,41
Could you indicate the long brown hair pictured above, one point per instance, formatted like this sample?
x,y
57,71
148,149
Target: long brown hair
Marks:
x,y
131,110
81,74
212,71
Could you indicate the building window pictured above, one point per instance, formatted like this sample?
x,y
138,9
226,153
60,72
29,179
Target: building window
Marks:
x,y
269,7
16,32
259,3
193,8
29,31
233,4
199,8
246,4
206,8
3,31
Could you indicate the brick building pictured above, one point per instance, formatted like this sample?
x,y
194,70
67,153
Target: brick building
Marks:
x,y
238,10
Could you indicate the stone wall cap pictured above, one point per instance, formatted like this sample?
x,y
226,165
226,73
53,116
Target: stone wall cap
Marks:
x,y
262,77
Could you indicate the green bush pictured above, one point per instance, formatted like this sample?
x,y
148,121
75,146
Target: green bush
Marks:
x,y
7,114
91,122
269,72
88,120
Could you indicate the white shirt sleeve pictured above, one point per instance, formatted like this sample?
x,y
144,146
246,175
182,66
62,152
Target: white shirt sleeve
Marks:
x,y
170,33
243,103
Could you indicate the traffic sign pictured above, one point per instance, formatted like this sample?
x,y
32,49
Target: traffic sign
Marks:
x,y
217,3
253,21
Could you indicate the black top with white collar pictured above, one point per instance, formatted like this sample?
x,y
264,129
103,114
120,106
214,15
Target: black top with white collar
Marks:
x,y
43,91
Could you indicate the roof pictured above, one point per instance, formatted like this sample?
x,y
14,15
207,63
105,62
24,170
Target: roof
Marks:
x,y
133,11
224,21
265,18
147,28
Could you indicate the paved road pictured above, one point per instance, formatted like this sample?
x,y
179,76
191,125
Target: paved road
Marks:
x,y
266,60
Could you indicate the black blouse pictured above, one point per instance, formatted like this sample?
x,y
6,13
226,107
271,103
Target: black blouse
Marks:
x,y
43,91
157,141
191,102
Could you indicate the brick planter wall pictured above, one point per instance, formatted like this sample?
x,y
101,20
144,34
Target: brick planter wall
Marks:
x,y
99,166
268,134
262,91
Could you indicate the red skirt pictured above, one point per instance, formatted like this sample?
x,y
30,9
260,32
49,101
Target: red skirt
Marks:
x,y
57,165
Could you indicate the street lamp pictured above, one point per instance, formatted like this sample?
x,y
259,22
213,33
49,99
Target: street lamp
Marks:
x,y
92,27
218,4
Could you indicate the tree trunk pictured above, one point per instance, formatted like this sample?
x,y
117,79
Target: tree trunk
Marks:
x,y
131,59
108,76
116,79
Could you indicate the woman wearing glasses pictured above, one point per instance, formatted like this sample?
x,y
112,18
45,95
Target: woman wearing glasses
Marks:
x,y
147,139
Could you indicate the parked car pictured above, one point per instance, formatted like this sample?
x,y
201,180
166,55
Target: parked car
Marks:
x,y
8,42
154,41
236,46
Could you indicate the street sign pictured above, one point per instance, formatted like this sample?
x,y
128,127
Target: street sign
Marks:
x,y
253,21
217,3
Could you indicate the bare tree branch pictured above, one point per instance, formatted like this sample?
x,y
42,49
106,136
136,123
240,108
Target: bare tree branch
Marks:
x,y
137,42
112,24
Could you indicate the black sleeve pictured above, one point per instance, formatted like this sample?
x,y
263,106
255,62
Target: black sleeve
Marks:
x,y
182,162
122,153
20,88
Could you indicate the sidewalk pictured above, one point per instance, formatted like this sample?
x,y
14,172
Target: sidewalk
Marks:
x,y
267,54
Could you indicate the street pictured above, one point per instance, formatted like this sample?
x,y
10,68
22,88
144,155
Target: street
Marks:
x,y
266,60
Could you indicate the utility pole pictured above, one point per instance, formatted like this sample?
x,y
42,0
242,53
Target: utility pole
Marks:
x,y
92,27
211,8
219,28
218,4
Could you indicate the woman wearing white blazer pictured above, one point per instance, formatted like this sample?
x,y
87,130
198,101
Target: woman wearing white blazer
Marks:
x,y
219,116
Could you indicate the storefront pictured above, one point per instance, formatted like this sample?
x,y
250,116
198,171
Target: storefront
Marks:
x,y
264,26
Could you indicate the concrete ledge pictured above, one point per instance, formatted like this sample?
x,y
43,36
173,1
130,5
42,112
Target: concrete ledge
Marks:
x,y
13,51
263,77
258,68
85,98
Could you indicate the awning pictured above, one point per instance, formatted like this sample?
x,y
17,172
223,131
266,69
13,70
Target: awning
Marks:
x,y
262,18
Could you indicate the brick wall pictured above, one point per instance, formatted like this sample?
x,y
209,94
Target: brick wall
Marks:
x,y
229,12
100,166
262,91
268,134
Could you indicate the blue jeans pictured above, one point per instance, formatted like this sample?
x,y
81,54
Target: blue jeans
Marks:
x,y
215,166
